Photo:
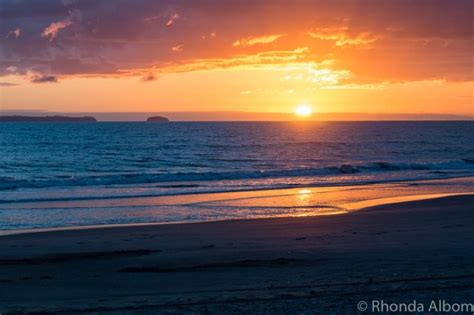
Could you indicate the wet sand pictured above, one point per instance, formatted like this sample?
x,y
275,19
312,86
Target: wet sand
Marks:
x,y
421,250
26,216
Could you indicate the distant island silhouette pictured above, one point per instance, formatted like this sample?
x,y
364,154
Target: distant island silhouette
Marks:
x,y
19,118
157,119
243,116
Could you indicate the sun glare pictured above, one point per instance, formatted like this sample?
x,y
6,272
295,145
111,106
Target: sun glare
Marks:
x,y
303,110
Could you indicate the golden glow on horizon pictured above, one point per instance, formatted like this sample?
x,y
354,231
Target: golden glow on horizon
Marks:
x,y
303,110
304,191
248,90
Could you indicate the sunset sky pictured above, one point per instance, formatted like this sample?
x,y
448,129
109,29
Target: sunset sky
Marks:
x,y
375,56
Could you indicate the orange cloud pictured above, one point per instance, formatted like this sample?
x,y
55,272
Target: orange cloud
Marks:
x,y
178,48
297,67
51,32
16,33
263,59
173,18
250,41
341,36
356,86
211,35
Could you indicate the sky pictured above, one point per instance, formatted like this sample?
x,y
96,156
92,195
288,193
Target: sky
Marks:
x,y
358,56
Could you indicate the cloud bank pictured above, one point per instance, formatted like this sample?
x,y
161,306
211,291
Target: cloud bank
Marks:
x,y
375,40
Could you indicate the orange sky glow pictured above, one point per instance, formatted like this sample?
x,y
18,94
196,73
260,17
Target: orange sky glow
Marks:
x,y
337,56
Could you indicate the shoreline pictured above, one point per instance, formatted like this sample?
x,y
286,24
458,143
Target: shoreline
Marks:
x,y
350,207
36,217
244,190
397,252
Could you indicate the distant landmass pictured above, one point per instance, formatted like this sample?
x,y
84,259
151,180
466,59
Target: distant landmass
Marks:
x,y
244,116
157,119
18,118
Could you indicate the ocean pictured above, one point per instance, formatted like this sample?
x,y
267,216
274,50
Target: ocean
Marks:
x,y
43,163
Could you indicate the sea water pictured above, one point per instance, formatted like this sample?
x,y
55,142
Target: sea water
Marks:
x,y
51,162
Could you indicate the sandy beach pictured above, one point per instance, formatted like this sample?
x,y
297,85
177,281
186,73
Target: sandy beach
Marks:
x,y
421,250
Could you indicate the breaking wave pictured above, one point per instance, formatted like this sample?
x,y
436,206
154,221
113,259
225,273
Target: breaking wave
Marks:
x,y
465,166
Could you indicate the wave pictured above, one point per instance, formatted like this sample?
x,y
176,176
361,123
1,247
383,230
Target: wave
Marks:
x,y
7,183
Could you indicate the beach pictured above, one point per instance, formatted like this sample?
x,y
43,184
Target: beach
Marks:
x,y
419,250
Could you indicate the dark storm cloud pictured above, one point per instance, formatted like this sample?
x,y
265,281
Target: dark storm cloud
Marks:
x,y
148,77
41,78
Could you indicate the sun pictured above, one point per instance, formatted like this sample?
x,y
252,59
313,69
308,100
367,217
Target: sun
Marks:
x,y
303,110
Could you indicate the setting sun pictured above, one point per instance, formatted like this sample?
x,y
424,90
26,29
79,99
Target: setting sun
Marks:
x,y
303,110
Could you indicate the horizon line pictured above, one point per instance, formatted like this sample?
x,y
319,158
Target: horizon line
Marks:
x,y
227,112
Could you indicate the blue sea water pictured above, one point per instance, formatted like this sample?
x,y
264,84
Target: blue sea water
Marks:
x,y
80,161
48,155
